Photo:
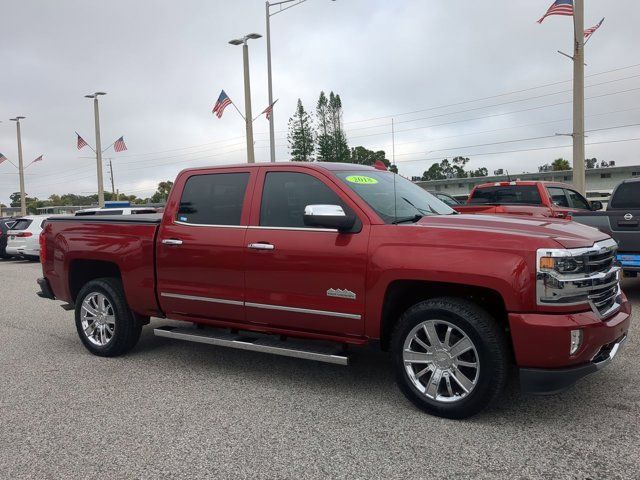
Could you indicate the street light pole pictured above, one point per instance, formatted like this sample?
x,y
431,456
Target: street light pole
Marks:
x,y
248,117
96,114
23,200
579,180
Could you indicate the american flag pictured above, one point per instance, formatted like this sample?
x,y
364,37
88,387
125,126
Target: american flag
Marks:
x,y
81,142
559,7
590,31
223,102
2,158
269,110
39,159
119,145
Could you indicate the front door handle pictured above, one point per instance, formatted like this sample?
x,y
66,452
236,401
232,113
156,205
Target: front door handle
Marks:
x,y
172,241
261,246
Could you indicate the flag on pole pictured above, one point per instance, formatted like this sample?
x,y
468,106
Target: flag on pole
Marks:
x,y
269,110
81,142
2,158
39,159
119,145
559,7
590,31
223,102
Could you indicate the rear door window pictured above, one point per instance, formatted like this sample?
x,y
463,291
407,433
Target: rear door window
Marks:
x,y
507,195
627,195
213,199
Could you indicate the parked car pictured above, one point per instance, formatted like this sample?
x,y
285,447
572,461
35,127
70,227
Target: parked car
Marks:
x,y
534,198
621,220
261,256
23,237
448,199
5,225
116,211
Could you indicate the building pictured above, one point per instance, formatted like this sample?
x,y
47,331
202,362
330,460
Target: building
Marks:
x,y
600,181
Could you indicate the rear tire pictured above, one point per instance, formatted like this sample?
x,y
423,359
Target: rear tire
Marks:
x,y
106,325
450,356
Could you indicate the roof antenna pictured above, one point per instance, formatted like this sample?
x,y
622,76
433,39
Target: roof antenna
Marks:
x,y
508,177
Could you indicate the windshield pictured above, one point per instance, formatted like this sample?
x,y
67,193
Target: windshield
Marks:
x,y
377,189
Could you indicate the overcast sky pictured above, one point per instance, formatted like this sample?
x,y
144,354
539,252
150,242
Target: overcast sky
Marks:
x,y
163,64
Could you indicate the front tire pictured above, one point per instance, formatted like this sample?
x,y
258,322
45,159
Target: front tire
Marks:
x,y
451,358
106,325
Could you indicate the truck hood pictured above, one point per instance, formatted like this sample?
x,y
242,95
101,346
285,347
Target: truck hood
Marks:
x,y
567,233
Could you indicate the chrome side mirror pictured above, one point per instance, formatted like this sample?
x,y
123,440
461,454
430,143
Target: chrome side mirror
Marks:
x,y
328,216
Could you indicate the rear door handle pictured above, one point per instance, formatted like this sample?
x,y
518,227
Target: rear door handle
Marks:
x,y
261,246
172,241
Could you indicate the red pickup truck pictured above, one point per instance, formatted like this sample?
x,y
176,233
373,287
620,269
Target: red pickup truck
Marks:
x,y
541,199
305,259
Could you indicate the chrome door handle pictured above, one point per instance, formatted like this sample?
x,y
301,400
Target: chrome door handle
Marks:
x,y
171,241
261,246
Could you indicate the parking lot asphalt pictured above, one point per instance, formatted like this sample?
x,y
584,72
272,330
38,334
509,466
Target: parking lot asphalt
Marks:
x,y
173,409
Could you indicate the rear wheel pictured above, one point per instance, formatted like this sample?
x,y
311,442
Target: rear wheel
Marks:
x,y
451,358
105,324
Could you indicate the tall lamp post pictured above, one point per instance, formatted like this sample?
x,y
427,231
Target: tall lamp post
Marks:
x,y
283,5
96,114
23,200
248,117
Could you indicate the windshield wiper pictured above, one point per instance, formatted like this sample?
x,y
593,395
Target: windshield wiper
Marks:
x,y
412,219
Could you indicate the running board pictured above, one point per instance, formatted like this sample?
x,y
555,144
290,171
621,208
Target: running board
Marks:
x,y
290,347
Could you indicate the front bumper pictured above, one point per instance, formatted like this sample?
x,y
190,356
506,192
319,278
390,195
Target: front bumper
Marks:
x,y
541,344
538,381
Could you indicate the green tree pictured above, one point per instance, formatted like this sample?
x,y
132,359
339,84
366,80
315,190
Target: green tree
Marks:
x,y
323,137
340,147
560,164
162,192
364,156
300,135
591,162
434,173
480,172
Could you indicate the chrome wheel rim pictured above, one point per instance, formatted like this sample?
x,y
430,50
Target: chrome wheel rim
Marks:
x,y
441,361
98,319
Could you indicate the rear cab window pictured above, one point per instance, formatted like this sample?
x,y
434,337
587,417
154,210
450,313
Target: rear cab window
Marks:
x,y
627,195
507,195
213,199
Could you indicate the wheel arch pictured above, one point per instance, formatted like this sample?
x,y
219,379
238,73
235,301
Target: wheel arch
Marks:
x,y
82,271
400,295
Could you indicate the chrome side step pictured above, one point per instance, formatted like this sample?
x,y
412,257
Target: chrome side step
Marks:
x,y
290,347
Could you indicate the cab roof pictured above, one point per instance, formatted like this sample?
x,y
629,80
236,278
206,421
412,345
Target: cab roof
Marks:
x,y
331,166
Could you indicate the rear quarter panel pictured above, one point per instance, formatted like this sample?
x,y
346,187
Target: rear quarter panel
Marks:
x,y
129,246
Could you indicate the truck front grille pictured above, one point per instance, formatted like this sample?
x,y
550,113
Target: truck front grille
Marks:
x,y
599,262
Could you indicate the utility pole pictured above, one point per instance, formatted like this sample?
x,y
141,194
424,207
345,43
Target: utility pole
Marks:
x,y
23,200
248,117
272,145
96,113
113,188
579,181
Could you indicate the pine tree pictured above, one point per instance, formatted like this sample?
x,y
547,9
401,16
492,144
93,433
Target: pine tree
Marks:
x,y
300,135
323,136
339,147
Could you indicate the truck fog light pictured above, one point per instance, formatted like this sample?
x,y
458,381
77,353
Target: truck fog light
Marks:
x,y
576,341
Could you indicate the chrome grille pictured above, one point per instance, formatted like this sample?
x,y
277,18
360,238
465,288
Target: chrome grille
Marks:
x,y
599,262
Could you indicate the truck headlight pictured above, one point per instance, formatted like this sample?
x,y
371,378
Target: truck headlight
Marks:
x,y
561,263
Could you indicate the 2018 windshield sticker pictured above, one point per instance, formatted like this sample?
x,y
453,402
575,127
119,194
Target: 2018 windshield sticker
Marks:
x,y
361,180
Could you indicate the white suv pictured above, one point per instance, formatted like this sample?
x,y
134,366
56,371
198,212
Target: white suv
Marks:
x,y
23,238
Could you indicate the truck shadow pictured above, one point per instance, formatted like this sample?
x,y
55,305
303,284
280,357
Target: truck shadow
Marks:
x,y
631,288
368,382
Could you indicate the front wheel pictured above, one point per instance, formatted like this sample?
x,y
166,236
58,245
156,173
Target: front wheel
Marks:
x,y
451,358
105,324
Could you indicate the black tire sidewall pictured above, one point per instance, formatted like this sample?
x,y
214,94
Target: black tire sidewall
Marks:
x,y
126,330
491,355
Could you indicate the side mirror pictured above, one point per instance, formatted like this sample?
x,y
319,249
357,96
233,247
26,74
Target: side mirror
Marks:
x,y
596,205
328,216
